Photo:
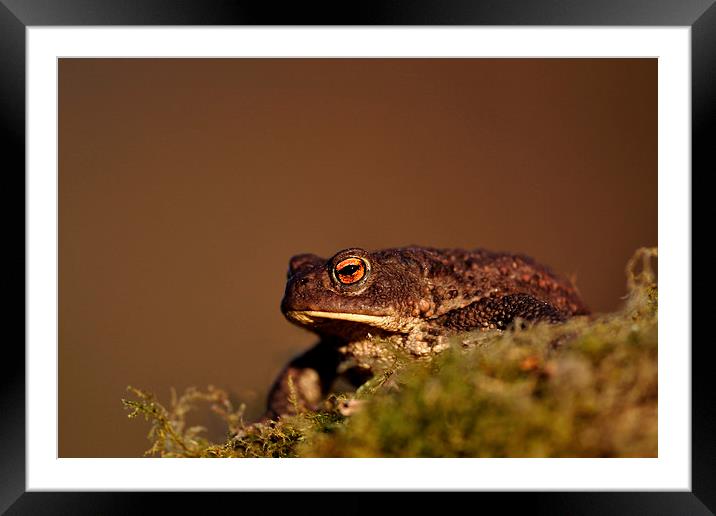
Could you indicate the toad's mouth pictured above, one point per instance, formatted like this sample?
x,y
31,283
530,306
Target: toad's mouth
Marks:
x,y
311,317
344,323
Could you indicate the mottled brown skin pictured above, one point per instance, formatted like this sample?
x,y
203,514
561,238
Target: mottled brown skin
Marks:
x,y
415,297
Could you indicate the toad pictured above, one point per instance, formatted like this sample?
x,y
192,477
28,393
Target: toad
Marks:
x,y
414,298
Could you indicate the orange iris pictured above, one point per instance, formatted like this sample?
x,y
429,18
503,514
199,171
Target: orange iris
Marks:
x,y
350,270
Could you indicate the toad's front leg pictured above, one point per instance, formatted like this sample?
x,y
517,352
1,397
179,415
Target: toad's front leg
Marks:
x,y
305,381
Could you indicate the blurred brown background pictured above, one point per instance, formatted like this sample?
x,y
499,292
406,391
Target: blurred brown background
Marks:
x,y
186,185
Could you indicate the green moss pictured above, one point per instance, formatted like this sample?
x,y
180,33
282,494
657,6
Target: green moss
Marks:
x,y
586,388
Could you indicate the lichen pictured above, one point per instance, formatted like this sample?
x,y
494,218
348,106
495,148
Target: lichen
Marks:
x,y
585,388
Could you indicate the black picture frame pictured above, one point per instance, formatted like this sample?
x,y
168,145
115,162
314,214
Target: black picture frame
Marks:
x,y
17,15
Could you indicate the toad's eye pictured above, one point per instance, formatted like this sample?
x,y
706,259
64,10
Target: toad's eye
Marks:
x,y
350,270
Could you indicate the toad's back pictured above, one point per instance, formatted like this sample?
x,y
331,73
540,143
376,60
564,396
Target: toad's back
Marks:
x,y
460,277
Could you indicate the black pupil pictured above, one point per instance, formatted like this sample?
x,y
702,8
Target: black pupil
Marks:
x,y
348,270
